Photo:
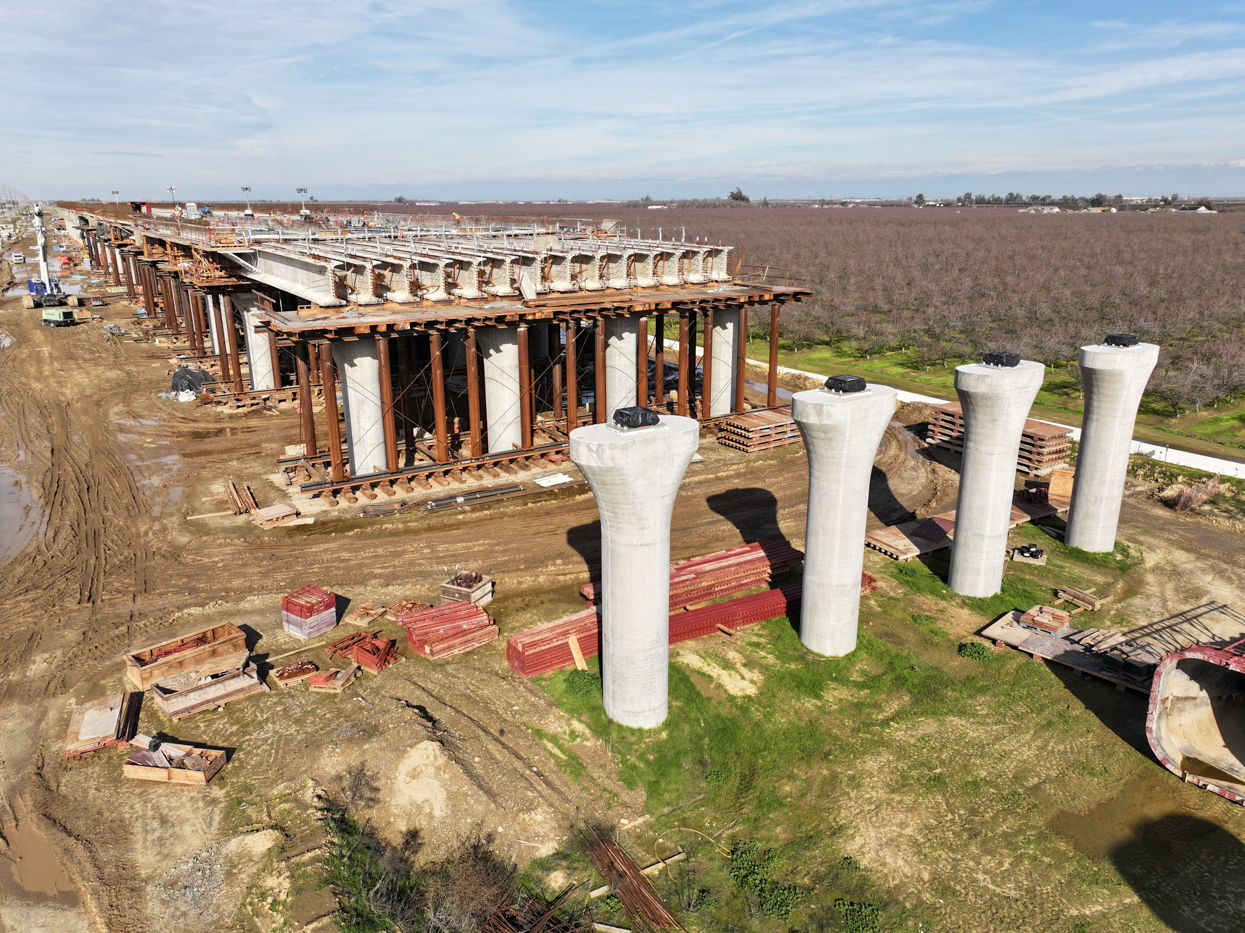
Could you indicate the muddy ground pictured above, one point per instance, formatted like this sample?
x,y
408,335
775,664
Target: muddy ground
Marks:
x,y
107,477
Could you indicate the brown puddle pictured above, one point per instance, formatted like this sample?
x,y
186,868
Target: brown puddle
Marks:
x,y
1116,821
31,872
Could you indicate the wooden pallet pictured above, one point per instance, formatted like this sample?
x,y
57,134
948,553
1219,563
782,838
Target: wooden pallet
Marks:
x,y
758,430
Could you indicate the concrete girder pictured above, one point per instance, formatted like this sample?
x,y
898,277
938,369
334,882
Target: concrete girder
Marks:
x,y
306,277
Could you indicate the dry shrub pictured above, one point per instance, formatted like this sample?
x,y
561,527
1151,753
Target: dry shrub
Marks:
x,y
471,884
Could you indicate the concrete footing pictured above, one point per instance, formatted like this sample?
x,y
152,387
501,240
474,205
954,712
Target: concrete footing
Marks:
x,y
499,346
634,476
1114,378
359,373
996,402
841,434
620,363
726,338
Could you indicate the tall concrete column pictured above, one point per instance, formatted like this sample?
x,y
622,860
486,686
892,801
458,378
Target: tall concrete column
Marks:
x,y
1114,374
358,370
634,476
258,344
725,360
842,426
499,347
213,323
996,401
620,362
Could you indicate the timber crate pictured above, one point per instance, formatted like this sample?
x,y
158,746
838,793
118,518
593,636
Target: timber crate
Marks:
x,y
174,764
210,651
758,430
309,612
480,593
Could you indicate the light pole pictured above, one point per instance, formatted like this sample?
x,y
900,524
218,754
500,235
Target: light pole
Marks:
x,y
248,212
115,198
304,214
172,190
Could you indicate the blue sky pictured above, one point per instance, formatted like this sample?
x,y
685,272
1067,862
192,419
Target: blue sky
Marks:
x,y
500,99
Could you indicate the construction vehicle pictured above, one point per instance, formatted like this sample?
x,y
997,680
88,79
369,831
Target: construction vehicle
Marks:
x,y
45,293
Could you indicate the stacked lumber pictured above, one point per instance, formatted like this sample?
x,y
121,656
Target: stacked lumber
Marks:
x,y
334,680
366,649
293,673
1046,619
403,607
364,614
549,647
442,631
1044,447
210,651
309,612
273,515
102,723
722,573
1084,599
241,499
758,430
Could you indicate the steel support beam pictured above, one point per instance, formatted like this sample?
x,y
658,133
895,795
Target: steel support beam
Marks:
x,y
388,424
302,364
572,375
681,403
333,431
438,396
771,393
473,394
741,357
600,406
525,390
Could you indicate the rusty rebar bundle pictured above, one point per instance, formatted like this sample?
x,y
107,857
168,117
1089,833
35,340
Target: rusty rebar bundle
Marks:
x,y
639,898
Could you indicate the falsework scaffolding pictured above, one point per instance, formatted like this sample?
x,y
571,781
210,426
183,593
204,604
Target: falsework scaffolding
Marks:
x,y
456,347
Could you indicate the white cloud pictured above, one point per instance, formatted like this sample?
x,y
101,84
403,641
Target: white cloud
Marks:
x,y
439,93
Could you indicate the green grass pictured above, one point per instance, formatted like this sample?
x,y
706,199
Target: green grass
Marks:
x,y
1214,432
785,770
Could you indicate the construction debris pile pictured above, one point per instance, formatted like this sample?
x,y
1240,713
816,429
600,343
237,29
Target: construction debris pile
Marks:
x,y
366,649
